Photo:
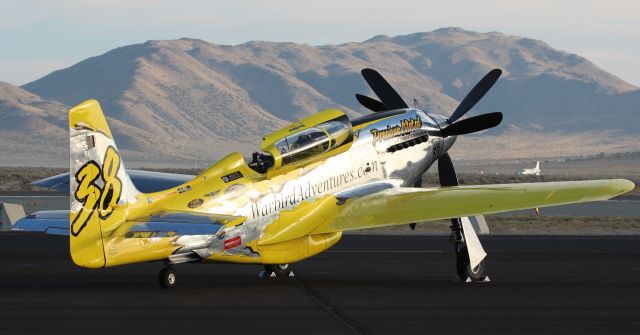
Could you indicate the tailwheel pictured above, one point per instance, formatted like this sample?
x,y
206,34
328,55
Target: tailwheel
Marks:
x,y
167,277
464,268
278,270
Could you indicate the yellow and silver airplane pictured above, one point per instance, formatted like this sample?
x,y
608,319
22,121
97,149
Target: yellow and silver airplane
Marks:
x,y
312,181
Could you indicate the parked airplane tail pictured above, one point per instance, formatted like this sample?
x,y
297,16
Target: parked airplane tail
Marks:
x,y
537,165
100,189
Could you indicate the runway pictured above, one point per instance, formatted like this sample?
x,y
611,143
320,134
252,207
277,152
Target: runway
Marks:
x,y
367,284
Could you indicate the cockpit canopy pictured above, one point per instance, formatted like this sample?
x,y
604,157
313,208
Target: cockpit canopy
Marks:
x,y
312,141
309,138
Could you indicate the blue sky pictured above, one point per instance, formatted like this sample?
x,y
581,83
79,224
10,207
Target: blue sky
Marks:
x,y
37,37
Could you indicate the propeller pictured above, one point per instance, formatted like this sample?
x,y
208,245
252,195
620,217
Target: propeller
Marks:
x,y
446,171
389,97
476,93
472,124
447,175
370,103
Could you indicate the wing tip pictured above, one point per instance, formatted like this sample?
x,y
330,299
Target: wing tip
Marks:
x,y
625,185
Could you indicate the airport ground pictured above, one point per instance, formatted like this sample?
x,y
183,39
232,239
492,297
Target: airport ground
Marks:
x,y
367,284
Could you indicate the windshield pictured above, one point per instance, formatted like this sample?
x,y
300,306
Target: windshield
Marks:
x,y
313,141
299,146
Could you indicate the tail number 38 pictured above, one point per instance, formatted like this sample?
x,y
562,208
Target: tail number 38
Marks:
x,y
94,198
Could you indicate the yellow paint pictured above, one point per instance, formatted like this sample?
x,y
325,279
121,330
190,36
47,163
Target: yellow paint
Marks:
x,y
268,144
89,114
284,252
120,250
98,203
298,249
308,122
293,224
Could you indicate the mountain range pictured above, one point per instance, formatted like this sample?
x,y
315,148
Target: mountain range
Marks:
x,y
177,102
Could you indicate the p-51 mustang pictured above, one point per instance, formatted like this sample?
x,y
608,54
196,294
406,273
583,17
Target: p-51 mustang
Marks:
x,y
312,180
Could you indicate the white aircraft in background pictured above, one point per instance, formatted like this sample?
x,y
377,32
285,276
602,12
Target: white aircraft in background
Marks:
x,y
535,171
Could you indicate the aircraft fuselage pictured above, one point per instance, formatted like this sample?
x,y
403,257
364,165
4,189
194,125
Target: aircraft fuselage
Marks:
x,y
395,150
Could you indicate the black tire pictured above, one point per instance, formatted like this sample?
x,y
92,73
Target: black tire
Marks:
x,y
281,270
464,268
168,278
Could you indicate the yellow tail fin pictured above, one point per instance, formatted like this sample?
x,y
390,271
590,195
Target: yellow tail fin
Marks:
x,y
100,187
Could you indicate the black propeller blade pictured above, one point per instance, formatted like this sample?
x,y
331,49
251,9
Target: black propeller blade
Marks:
x,y
446,172
472,124
476,93
418,184
371,104
447,175
390,98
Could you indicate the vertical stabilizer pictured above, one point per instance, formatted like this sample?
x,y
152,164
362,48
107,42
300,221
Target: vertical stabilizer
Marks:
x,y
99,185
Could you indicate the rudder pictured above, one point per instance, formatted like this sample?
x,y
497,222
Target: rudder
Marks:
x,y
99,185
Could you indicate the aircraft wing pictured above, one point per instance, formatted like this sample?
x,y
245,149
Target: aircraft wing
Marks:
x,y
145,181
398,206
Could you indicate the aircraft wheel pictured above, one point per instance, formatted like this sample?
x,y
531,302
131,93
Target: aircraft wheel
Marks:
x,y
167,277
464,268
281,270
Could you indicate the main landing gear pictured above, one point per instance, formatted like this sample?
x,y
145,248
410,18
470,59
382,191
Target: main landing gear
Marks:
x,y
278,270
461,239
465,272
167,277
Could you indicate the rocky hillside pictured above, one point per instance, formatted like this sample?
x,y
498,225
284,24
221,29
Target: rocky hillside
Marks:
x,y
186,100
31,128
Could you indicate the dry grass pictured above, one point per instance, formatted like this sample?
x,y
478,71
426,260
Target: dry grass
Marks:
x,y
20,178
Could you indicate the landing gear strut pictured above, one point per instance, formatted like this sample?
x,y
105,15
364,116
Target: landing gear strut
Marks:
x,y
278,270
167,277
463,266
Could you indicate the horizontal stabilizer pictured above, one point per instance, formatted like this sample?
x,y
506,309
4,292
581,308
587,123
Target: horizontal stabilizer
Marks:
x,y
160,225
49,222
178,224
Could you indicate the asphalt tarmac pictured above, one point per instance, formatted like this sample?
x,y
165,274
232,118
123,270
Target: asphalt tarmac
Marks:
x,y
365,285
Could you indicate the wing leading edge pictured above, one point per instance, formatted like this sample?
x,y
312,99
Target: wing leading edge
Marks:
x,y
406,205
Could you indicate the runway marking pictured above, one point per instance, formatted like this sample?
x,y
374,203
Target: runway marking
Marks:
x,y
332,311
385,251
